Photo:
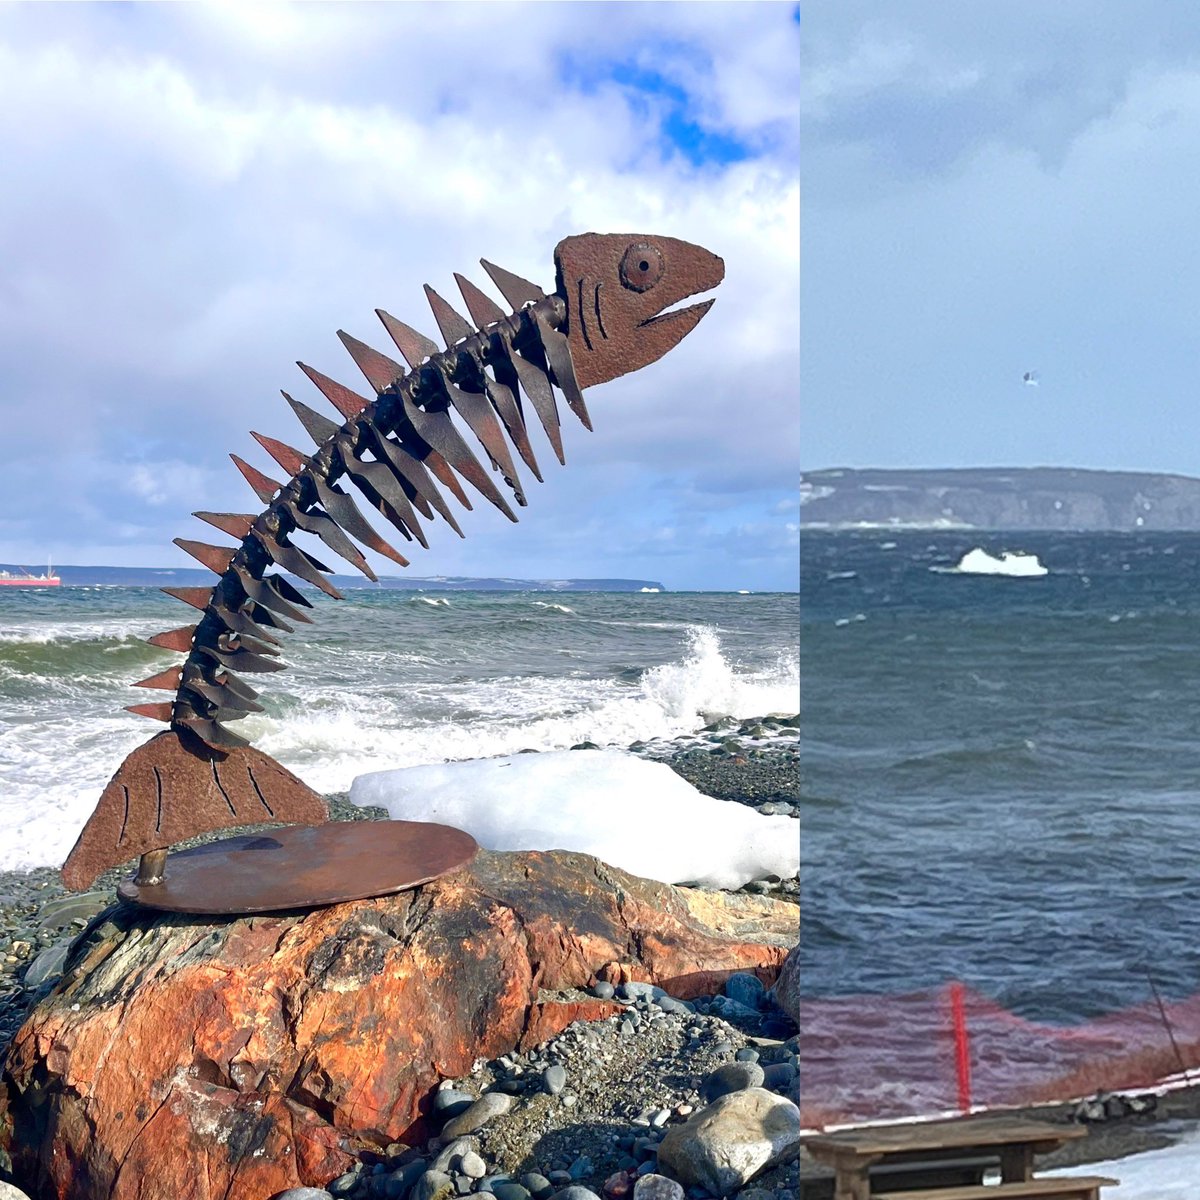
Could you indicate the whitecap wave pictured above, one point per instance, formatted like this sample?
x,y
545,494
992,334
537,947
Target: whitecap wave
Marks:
x,y
1010,562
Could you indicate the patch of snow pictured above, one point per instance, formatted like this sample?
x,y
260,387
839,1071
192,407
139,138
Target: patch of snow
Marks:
x,y
637,815
1167,1174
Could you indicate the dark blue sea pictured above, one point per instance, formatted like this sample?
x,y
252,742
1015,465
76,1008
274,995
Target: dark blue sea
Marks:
x,y
1001,775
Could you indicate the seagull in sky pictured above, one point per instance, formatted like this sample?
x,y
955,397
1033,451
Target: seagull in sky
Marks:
x,y
1030,379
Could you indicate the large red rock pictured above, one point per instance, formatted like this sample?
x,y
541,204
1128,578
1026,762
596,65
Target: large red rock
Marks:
x,y
188,1059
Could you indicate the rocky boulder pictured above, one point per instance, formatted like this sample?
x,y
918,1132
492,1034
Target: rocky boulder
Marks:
x,y
731,1141
183,1058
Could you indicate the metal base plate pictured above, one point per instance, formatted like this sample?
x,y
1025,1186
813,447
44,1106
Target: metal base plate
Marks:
x,y
305,866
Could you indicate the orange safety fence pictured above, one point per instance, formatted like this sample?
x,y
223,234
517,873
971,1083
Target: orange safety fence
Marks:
x,y
870,1058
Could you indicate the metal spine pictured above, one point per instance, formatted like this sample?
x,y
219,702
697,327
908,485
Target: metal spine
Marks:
x,y
416,402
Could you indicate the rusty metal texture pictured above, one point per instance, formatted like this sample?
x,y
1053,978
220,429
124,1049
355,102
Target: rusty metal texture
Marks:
x,y
607,316
304,867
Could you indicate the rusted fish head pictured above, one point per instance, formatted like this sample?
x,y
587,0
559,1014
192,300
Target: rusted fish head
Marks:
x,y
618,287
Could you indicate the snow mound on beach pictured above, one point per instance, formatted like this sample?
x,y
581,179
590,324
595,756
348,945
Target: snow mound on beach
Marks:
x,y
1166,1174
637,815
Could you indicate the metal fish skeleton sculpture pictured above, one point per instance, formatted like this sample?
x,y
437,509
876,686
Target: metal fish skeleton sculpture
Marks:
x,y
606,317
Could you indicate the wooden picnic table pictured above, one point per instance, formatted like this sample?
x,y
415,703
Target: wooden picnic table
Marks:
x,y
1013,1141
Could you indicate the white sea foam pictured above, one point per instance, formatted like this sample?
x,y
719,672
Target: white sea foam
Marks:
x,y
432,601
328,730
639,816
562,608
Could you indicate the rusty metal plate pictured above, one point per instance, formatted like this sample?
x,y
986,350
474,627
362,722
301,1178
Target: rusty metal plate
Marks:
x,y
300,866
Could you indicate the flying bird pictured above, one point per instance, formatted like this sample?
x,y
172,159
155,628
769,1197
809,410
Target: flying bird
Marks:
x,y
1030,379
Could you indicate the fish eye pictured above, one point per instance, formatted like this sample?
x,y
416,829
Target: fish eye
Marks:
x,y
641,267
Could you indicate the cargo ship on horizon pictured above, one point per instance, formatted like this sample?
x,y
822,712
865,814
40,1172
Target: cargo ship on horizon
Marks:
x,y
29,579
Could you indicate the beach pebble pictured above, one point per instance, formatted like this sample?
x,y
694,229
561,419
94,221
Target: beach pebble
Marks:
x,y
296,1193
603,990
490,1181
433,1185
538,1186
472,1165
400,1181
653,1186
452,1153
744,988
554,1079
47,965
343,1185
450,1102
778,1077
746,1054
730,1009
627,1028
724,1146
575,1192
509,1191
732,1077
493,1104
636,990
581,1168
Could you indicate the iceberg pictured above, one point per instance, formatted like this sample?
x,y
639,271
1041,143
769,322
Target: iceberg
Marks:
x,y
637,815
1010,562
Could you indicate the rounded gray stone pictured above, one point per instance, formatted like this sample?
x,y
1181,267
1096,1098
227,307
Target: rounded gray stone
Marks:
x,y
732,1077
603,990
657,1187
488,1106
472,1166
450,1103
737,1137
554,1079
746,989
539,1187
509,1191
296,1193
433,1185
575,1192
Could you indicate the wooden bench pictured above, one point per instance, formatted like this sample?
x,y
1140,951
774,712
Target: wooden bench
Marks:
x,y
1078,1187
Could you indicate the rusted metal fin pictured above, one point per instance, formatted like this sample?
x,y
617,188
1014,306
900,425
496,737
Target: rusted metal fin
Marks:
x,y
287,591
213,734
197,597
231,683
344,511
223,698
241,660
517,291
381,371
215,558
289,458
475,409
241,622
483,309
265,488
156,712
174,639
262,591
168,680
436,428
260,614
504,401
331,534
383,492
348,403
235,524
557,349
316,426
536,385
414,347
406,464
232,640
454,327
440,468
297,562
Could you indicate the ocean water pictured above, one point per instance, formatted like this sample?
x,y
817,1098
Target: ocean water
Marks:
x,y
1001,775
381,679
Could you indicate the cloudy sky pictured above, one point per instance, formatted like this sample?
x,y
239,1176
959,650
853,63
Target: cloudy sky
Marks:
x,y
196,196
993,188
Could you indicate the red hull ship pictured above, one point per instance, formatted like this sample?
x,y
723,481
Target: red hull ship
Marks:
x,y
29,579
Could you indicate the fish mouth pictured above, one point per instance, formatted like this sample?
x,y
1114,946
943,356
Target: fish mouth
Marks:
x,y
687,317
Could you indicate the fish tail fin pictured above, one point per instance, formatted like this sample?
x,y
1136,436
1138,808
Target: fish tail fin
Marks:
x,y
174,787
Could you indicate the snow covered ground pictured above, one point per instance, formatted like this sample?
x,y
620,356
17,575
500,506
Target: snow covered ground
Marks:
x,y
1169,1174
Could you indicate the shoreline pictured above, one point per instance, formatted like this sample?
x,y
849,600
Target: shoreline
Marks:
x,y
752,762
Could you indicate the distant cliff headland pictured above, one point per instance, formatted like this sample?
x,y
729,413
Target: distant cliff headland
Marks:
x,y
999,498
